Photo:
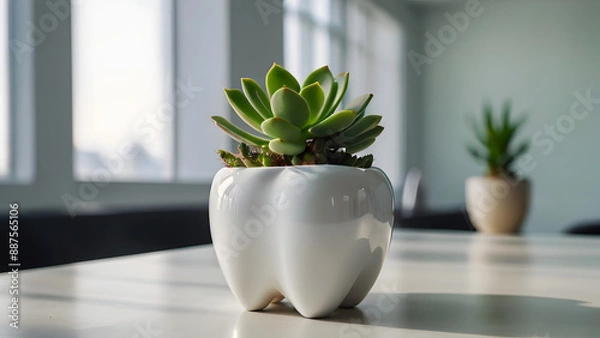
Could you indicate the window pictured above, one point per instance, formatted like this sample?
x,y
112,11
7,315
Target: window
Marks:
x,y
122,89
139,111
17,137
318,32
320,25
4,93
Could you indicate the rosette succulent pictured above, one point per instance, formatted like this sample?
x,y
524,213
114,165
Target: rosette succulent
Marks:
x,y
298,124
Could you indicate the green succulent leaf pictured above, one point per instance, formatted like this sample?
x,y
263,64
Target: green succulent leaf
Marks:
x,y
334,123
506,108
230,159
359,146
245,150
361,125
290,148
514,128
372,133
324,77
249,159
480,134
237,133
360,103
334,98
488,116
290,106
342,81
315,97
476,153
329,98
364,162
321,75
278,77
243,108
308,158
279,128
266,161
257,97
521,149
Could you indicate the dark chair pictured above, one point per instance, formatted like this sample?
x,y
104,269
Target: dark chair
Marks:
x,y
412,202
414,215
436,220
585,228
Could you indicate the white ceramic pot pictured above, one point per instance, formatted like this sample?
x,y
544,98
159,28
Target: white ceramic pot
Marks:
x,y
495,204
316,235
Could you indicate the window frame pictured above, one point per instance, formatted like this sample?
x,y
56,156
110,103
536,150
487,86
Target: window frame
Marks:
x,y
20,93
6,6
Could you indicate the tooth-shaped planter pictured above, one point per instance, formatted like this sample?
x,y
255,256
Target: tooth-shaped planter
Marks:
x,y
316,235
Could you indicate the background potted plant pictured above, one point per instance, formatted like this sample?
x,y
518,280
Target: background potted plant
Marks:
x,y
498,201
296,213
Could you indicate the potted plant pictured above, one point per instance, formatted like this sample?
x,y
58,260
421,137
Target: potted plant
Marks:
x,y
296,213
498,201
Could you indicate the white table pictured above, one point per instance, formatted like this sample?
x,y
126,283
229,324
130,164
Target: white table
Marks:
x,y
432,285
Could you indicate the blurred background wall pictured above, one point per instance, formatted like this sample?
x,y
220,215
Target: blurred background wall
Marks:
x,y
539,54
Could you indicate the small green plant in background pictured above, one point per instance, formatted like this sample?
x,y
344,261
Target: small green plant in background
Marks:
x,y
298,124
496,140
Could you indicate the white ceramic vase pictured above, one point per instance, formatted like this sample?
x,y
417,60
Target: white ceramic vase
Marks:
x,y
497,205
316,235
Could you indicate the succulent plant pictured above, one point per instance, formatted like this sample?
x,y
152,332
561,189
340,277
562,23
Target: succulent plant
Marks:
x,y
298,124
496,141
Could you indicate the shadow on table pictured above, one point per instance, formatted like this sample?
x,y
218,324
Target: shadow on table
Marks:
x,y
494,315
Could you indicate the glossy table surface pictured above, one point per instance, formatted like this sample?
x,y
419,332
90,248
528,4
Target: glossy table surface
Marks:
x,y
432,285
